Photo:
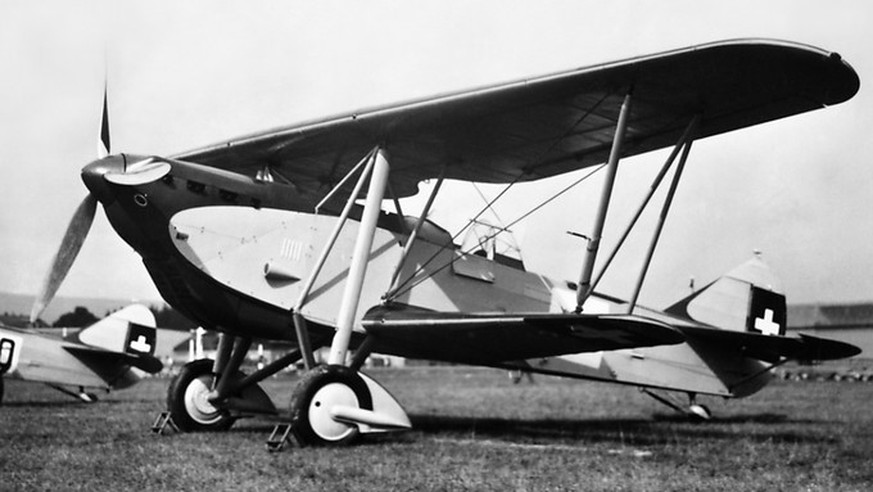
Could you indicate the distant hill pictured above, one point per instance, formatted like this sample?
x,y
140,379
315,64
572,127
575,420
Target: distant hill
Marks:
x,y
21,304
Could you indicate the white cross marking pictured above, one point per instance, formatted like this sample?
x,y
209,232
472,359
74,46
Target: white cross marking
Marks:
x,y
766,324
141,344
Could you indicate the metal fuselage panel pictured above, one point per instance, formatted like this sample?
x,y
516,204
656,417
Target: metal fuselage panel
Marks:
x,y
208,237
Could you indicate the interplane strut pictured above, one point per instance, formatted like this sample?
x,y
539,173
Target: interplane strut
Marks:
x,y
360,257
584,288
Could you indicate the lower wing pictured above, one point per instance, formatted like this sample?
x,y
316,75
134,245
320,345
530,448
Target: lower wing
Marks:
x,y
488,339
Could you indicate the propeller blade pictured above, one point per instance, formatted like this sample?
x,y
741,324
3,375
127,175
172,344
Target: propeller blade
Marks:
x,y
104,148
78,229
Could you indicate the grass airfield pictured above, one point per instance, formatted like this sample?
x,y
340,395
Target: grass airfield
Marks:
x,y
474,430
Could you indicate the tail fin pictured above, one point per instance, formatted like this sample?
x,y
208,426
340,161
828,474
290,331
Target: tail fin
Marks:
x,y
130,330
749,298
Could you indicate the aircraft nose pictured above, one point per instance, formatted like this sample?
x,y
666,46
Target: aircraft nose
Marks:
x,y
93,176
122,170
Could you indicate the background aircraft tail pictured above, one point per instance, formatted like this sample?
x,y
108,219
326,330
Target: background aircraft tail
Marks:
x,y
130,330
749,298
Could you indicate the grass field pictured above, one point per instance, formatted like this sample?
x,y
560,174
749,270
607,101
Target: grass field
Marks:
x,y
474,430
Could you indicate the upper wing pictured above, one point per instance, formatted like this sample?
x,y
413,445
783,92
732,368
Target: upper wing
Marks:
x,y
489,339
773,348
544,126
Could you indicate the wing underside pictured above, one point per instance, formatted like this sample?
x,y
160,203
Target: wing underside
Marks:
x,y
544,126
491,339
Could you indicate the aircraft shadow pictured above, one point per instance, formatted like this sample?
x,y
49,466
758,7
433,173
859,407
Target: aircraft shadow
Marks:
x,y
767,427
57,404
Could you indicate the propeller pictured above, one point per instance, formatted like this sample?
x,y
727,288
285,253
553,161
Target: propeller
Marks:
x,y
78,229
76,232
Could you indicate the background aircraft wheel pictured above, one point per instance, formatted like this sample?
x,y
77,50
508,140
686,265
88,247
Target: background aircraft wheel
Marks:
x,y
316,393
187,399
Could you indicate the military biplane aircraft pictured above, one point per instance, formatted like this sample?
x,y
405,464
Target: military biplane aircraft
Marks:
x,y
100,356
249,237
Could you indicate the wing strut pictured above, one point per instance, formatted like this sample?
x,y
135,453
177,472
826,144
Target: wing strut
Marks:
x,y
392,289
656,183
665,209
299,321
360,256
366,160
584,289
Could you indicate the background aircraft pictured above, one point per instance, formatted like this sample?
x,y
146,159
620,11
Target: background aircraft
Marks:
x,y
229,236
101,356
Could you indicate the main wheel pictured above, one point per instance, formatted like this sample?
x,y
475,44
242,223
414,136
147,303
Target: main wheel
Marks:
x,y
187,399
314,396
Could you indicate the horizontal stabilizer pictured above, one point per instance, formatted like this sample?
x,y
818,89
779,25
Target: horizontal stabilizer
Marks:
x,y
101,360
773,348
488,338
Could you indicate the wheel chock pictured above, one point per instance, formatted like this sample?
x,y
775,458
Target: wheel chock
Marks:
x,y
162,422
282,435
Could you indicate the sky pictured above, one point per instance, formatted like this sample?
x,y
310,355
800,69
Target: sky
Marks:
x,y
186,74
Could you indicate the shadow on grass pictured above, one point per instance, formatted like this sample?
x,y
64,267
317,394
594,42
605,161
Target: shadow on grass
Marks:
x,y
71,403
758,418
759,428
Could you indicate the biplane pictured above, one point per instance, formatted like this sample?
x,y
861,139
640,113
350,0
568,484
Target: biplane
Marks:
x,y
100,356
281,235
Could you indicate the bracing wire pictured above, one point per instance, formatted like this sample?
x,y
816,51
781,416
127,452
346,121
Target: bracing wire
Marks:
x,y
527,170
403,288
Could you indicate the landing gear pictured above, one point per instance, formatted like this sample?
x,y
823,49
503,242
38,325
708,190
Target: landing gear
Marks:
x,y
317,394
188,403
331,405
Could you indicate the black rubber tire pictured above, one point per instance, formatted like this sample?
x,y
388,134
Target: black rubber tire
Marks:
x,y
306,389
198,370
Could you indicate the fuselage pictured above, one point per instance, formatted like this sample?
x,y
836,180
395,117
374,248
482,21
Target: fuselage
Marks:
x,y
36,357
233,253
